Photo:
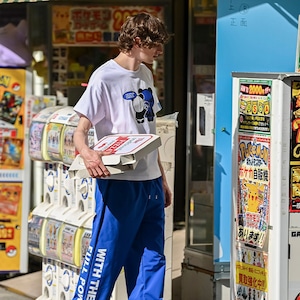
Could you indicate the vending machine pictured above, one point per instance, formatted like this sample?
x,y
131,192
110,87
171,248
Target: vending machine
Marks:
x,y
15,168
265,186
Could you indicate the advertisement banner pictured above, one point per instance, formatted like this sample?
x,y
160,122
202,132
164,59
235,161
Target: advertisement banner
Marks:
x,y
251,268
253,189
14,169
12,115
92,25
254,105
295,148
10,230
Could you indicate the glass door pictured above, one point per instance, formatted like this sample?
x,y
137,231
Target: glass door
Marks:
x,y
200,134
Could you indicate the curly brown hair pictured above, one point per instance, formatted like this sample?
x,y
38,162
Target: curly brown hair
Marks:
x,y
149,29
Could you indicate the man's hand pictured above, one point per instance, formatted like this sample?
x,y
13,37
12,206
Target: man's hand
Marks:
x,y
94,164
91,158
167,193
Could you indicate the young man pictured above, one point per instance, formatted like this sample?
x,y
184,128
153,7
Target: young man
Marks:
x,y
128,229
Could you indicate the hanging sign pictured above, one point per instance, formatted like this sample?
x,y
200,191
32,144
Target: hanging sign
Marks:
x,y
251,274
254,106
295,149
92,25
253,189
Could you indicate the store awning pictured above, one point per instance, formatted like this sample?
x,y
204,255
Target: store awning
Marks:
x,y
20,1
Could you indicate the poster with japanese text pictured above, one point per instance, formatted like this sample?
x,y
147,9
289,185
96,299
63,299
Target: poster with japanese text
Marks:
x,y
85,36
251,274
12,117
254,105
253,189
10,225
295,148
14,169
88,25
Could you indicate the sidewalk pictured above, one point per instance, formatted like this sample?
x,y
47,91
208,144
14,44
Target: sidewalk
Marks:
x,y
28,287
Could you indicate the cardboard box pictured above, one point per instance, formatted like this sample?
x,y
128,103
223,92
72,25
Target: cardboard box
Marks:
x,y
127,150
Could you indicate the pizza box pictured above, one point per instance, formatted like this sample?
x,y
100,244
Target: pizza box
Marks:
x,y
126,151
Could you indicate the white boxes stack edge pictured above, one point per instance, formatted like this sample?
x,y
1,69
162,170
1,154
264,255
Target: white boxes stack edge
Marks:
x,y
166,129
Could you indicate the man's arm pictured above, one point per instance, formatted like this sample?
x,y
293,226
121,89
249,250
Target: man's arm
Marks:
x,y
92,159
167,191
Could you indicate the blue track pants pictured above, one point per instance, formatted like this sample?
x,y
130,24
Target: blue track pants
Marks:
x,y
128,231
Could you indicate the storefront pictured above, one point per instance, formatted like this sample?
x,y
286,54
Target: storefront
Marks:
x,y
197,82
213,256
64,57
62,63
66,48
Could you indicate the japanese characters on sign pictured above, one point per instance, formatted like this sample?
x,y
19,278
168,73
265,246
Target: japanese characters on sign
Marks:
x,y
253,160
87,25
251,274
253,189
254,106
295,149
12,118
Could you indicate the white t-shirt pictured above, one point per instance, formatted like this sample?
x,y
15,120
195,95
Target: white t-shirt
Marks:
x,y
116,101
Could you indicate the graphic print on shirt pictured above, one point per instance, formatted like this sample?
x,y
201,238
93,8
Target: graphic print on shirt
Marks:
x,y
142,102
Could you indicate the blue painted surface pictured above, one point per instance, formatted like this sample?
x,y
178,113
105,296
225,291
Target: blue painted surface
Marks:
x,y
252,36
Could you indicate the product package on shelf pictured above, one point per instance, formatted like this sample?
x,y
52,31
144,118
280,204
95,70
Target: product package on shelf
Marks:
x,y
72,228
38,217
53,232
126,150
85,239
69,151
7,132
35,233
75,237
53,223
37,136
55,132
